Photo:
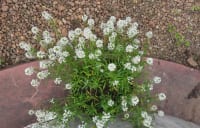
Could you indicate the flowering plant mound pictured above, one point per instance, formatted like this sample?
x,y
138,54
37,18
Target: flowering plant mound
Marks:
x,y
99,73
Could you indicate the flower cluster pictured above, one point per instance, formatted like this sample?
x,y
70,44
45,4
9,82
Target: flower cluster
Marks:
x,y
99,73
100,122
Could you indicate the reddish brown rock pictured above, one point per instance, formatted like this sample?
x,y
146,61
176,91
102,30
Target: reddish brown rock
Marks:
x,y
17,96
178,82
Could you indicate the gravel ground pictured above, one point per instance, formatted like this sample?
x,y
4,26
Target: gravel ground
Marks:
x,y
18,16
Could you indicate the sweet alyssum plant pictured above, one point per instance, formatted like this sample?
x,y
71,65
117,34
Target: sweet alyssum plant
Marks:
x,y
99,73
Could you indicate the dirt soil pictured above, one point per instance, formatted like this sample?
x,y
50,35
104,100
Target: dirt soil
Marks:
x,y
18,16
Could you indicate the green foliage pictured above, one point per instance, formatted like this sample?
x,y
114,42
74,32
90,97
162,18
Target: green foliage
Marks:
x,y
101,75
177,37
1,61
195,8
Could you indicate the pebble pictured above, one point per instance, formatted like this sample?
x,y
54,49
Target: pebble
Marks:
x,y
192,62
5,8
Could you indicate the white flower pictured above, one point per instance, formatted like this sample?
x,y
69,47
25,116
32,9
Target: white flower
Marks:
x,y
82,125
44,64
84,18
71,35
29,55
128,19
149,61
29,71
136,59
146,123
124,104
127,66
80,45
34,30
135,24
105,116
154,108
65,54
48,40
57,49
157,80
149,34
31,112
135,46
92,37
133,68
110,102
126,116
43,74
161,113
103,25
81,40
80,53
87,32
99,43
91,22
113,19
125,108
101,70
68,86
95,119
52,100
110,25
130,79
52,56
61,59
114,34
129,48
91,56
111,46
45,34
21,44
46,15
111,39
144,114
134,100
100,124
78,31
136,41
25,46
141,53
106,31
150,87
44,116
66,115
63,41
115,83
35,83
161,96
41,54
58,80
111,67
98,53
132,31
120,24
